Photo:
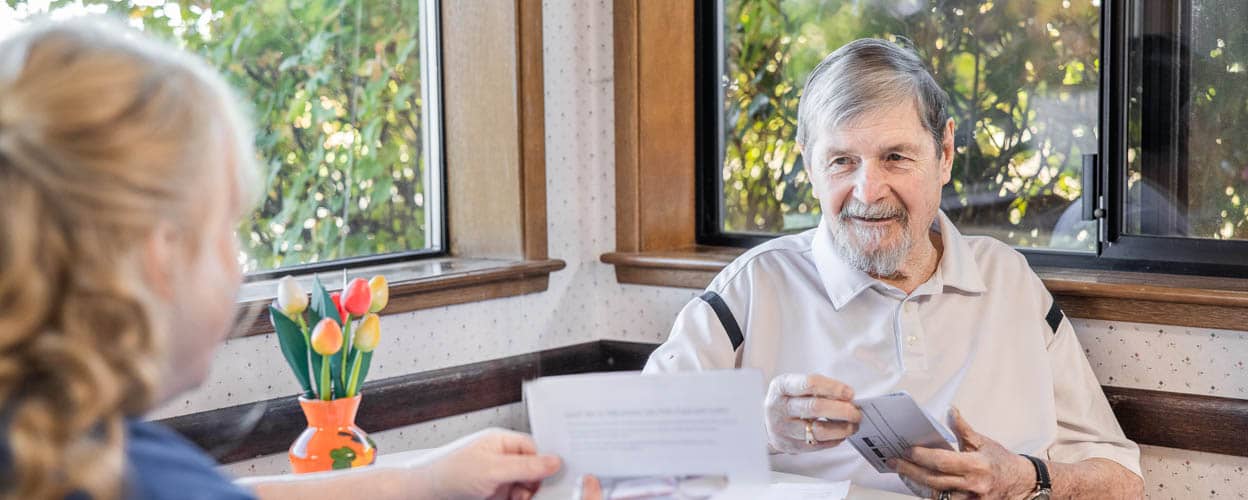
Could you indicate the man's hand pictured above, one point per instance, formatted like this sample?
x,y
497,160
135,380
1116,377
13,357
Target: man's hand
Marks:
x,y
494,464
983,469
794,400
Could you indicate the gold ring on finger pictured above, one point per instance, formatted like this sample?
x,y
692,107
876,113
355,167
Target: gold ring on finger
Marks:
x,y
810,432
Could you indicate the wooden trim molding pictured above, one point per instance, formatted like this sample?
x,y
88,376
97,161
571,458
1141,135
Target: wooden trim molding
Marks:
x,y
531,85
1185,421
452,282
1192,301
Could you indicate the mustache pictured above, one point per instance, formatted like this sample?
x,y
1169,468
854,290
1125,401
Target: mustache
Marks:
x,y
881,210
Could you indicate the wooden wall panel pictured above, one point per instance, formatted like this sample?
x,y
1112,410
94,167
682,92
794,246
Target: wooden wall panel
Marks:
x,y
481,119
654,125
666,158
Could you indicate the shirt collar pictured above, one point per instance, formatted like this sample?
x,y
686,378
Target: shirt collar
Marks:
x,y
957,264
842,282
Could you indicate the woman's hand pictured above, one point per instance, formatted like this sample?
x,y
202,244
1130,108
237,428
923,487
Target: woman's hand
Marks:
x,y
591,488
493,464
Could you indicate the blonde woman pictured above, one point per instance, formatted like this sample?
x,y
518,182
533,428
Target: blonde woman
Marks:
x,y
124,169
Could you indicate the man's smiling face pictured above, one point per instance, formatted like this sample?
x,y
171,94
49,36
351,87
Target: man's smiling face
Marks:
x,y
878,178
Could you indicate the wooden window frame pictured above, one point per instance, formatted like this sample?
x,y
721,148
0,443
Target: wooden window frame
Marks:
x,y
656,200
495,183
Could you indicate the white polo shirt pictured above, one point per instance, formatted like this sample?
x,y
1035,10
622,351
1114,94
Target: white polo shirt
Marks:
x,y
982,334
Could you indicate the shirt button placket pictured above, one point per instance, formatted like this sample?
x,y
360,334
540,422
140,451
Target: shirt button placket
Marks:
x,y
912,330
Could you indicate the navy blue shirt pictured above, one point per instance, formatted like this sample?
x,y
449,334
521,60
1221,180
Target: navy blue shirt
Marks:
x,y
163,464
160,464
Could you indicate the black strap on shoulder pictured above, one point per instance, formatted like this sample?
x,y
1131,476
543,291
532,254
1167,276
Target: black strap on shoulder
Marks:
x,y
725,318
1055,316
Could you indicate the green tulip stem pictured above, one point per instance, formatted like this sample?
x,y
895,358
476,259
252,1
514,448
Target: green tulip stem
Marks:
x,y
326,390
346,349
307,344
354,384
303,328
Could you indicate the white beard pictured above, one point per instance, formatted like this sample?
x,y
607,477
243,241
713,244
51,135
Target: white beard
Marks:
x,y
850,239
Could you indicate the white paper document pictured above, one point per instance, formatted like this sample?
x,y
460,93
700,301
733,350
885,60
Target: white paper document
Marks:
x,y
893,423
655,437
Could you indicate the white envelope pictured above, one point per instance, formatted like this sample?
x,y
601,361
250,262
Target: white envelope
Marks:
x,y
893,423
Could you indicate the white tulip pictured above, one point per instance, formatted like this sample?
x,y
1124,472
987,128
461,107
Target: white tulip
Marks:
x,y
291,298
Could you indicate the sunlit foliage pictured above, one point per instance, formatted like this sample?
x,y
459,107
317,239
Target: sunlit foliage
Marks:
x,y
335,88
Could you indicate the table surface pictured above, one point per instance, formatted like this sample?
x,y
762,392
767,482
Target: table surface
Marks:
x,y
404,457
855,492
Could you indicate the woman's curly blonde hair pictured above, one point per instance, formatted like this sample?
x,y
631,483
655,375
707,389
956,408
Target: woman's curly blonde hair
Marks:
x,y
103,133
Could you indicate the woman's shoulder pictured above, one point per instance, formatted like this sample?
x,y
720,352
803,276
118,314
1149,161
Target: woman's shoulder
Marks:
x,y
160,464
163,464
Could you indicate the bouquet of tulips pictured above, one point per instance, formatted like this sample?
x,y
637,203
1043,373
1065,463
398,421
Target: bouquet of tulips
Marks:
x,y
327,361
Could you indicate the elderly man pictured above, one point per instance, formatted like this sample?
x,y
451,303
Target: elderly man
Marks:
x,y
885,295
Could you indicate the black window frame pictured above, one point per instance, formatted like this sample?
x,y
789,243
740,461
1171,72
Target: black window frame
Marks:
x,y
432,33
1116,250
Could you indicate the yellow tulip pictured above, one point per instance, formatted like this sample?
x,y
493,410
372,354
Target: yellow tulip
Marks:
x,y
381,293
368,334
291,298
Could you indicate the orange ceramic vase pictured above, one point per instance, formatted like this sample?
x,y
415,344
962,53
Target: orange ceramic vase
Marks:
x,y
331,441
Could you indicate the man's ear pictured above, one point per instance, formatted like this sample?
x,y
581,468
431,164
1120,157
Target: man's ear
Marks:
x,y
946,156
157,259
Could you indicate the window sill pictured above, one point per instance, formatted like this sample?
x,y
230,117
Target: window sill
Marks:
x,y
1194,301
422,284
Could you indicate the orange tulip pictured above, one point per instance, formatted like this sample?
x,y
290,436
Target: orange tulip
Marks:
x,y
356,298
368,334
327,337
381,293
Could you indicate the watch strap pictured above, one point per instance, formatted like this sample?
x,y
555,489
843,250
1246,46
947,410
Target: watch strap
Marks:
x,y
1042,473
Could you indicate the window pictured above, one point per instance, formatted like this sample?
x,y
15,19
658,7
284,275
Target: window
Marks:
x,y
1166,185
345,95
1194,65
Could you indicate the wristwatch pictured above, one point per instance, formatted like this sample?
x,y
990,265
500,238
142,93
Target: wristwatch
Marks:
x,y
1043,487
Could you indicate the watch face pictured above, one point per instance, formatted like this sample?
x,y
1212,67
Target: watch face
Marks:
x,y
1040,495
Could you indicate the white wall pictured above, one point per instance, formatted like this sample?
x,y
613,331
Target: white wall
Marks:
x,y
585,303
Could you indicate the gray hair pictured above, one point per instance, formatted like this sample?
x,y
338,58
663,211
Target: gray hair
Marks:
x,y
865,75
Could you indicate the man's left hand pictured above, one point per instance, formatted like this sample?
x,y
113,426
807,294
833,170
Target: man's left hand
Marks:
x,y
983,469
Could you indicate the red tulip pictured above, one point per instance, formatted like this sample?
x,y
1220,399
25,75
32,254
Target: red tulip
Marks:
x,y
357,297
336,298
326,337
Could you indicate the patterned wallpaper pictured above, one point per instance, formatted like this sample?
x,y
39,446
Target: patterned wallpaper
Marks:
x,y
1167,358
584,302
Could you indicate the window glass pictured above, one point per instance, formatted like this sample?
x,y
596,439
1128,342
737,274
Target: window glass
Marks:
x,y
336,90
1022,78
1187,157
